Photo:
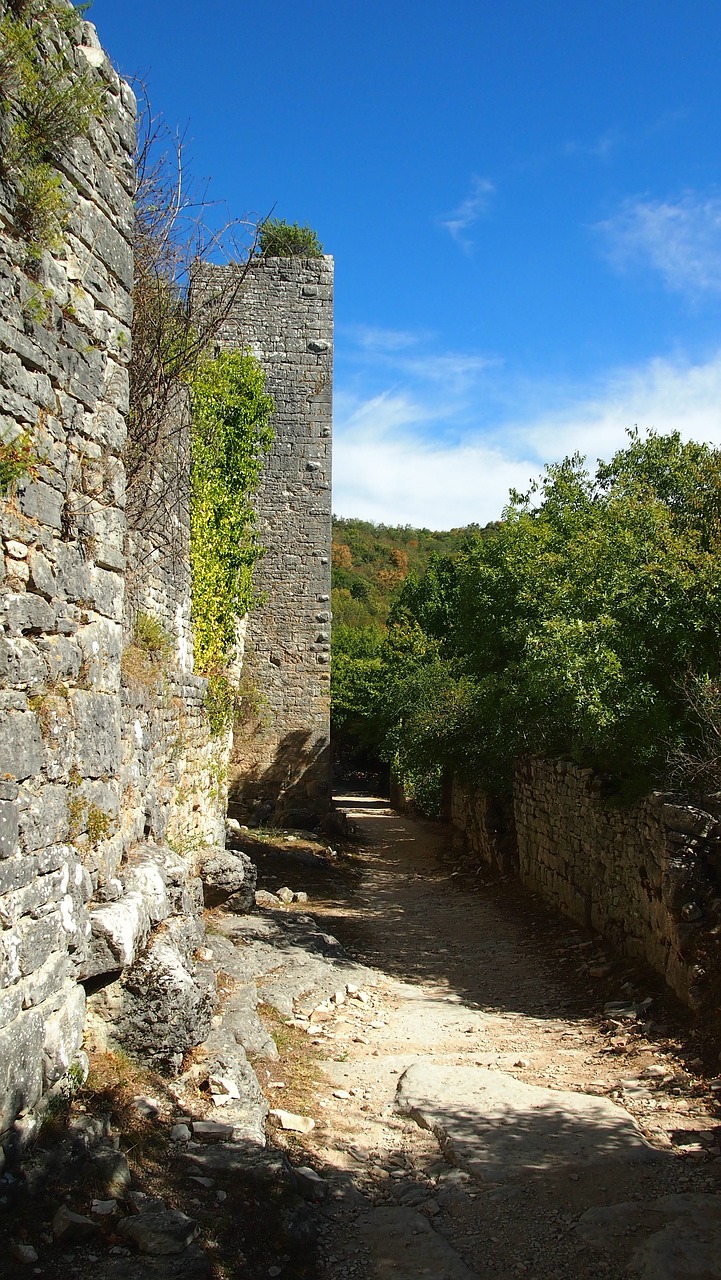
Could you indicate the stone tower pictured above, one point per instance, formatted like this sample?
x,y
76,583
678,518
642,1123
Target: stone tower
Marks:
x,y
280,766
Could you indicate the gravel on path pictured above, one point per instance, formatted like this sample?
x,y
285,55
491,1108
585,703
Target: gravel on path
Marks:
x,y
590,1111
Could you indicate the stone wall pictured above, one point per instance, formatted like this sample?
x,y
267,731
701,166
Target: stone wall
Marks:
x,y
64,338
487,827
281,759
112,792
174,773
645,876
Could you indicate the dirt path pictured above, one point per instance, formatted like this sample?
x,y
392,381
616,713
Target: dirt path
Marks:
x,y
446,1155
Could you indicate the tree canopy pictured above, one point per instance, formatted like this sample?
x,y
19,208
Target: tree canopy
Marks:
x,y
585,624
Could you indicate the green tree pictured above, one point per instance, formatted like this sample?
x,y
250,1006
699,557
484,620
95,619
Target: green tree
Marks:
x,y
573,627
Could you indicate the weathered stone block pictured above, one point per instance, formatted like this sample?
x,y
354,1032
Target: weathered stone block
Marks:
x,y
40,502
101,643
44,818
21,747
119,931
147,880
229,880
11,1004
42,575
165,1004
47,981
9,838
61,657
97,733
106,592
38,940
103,238
20,662
27,614
63,1033
21,1065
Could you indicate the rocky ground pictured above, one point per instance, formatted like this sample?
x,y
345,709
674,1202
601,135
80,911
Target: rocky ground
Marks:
x,y
465,1087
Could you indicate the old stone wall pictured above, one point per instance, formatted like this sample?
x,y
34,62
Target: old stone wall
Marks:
x,y
487,827
281,762
645,876
174,772
64,338
112,791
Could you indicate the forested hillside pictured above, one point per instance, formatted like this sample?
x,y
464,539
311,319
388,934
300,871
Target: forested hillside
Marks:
x,y
371,564
372,561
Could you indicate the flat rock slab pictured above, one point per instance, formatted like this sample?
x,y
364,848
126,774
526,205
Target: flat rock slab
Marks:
x,y
680,1236
288,956
403,1246
498,1128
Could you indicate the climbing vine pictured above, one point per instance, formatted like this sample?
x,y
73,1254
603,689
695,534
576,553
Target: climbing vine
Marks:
x,y
230,433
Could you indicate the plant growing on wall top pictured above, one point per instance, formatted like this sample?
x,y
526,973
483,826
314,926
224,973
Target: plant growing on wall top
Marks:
x,y
45,103
279,239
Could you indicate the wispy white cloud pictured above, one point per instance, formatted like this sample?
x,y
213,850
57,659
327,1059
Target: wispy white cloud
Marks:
x,y
374,338
409,457
409,356
460,220
662,394
386,468
680,239
455,370
600,148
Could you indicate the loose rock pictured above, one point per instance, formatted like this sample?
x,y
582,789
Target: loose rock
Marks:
x,y
296,1124
159,1233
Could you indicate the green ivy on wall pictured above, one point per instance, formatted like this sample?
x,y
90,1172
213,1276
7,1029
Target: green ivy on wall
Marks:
x,y
230,434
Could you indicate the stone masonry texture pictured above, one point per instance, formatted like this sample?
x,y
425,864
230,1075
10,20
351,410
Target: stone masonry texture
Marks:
x,y
281,761
64,344
112,790
644,875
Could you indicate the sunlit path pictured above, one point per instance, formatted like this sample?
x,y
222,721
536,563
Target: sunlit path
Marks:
x,y
477,1120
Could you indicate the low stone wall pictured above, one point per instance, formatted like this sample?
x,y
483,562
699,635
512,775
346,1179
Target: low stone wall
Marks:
x,y
645,876
487,827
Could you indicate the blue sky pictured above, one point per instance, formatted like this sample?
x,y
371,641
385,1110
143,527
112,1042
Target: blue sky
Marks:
x,y
523,199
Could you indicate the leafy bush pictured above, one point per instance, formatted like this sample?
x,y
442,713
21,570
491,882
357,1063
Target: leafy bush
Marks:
x,y
151,647
278,239
150,635
576,628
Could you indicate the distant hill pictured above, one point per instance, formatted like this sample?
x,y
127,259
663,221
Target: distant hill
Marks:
x,y
371,561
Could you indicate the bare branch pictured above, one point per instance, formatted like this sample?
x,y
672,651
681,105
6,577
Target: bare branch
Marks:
x,y
174,324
